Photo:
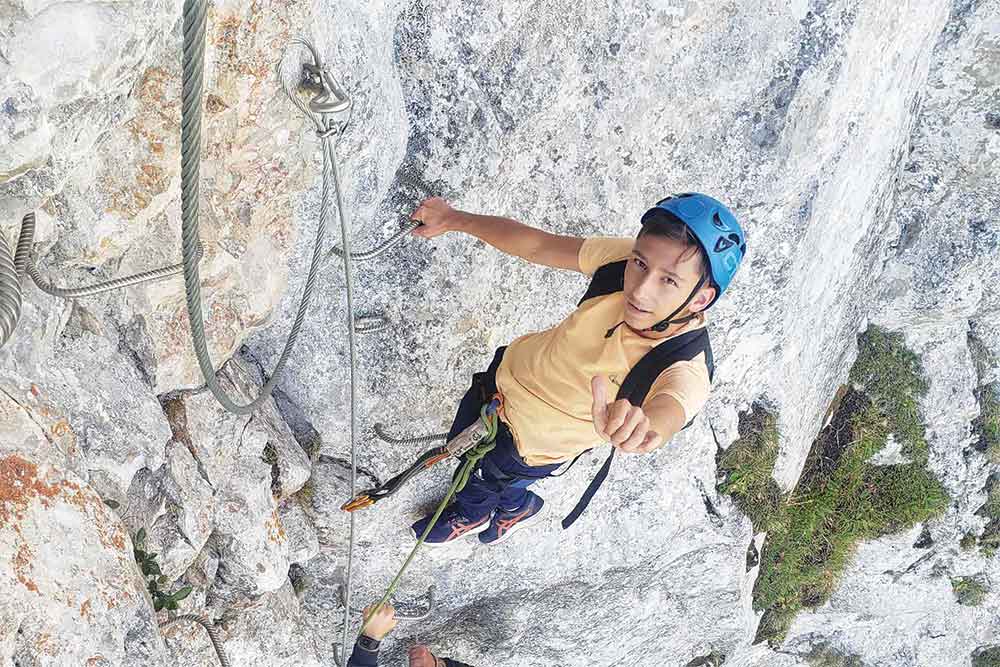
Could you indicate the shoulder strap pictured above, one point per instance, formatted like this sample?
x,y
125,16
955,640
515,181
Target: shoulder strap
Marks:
x,y
680,348
636,386
608,279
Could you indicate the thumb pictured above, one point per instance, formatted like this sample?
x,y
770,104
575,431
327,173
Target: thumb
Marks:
x,y
599,411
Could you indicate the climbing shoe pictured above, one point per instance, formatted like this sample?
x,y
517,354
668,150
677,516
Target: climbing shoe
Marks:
x,y
507,522
450,526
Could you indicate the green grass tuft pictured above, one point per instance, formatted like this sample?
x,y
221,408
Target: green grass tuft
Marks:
x,y
969,591
987,424
986,656
968,541
840,499
746,467
989,541
891,376
713,659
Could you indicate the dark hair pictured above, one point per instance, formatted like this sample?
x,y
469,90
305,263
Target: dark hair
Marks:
x,y
666,225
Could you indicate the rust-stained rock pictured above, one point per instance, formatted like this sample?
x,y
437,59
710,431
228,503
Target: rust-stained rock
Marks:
x,y
71,591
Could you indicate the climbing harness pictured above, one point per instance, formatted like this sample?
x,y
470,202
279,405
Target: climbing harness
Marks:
x,y
477,432
473,455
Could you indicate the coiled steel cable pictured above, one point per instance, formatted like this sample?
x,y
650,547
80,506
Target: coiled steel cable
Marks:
x,y
414,440
213,633
14,266
367,324
377,250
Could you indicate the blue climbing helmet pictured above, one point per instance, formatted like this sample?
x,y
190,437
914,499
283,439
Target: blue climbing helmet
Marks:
x,y
716,229
719,235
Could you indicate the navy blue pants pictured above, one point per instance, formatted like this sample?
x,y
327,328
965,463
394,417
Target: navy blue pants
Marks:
x,y
502,478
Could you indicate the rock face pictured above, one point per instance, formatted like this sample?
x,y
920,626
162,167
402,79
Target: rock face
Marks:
x,y
68,574
857,141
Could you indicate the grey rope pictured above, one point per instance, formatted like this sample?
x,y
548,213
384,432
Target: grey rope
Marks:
x,y
213,633
13,268
349,277
329,161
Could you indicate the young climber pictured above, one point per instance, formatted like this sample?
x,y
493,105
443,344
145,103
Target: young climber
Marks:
x,y
640,327
366,649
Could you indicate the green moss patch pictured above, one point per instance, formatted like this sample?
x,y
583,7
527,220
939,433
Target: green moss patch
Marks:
x,y
840,499
989,541
986,656
969,591
825,656
747,465
987,425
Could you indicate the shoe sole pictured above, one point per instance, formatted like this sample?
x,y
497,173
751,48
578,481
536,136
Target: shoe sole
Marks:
x,y
471,531
524,523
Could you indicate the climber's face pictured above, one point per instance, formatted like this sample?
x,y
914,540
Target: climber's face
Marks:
x,y
658,278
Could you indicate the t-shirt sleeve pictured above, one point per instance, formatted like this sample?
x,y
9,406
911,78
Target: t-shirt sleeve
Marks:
x,y
687,382
596,251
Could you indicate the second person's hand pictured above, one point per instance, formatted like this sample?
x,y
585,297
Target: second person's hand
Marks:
x,y
437,216
382,623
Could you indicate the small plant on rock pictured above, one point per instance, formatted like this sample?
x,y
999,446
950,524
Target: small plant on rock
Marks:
x,y
155,578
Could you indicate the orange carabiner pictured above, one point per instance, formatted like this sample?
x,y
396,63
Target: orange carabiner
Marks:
x,y
498,397
358,503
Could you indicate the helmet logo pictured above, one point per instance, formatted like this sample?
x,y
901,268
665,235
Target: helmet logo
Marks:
x,y
730,263
719,224
723,244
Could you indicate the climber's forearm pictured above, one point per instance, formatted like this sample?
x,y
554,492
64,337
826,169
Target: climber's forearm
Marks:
x,y
504,234
518,239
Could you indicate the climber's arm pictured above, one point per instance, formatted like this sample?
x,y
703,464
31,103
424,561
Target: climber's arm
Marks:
x,y
504,234
666,417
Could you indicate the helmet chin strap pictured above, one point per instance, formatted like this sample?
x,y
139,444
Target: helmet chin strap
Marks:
x,y
665,323
662,325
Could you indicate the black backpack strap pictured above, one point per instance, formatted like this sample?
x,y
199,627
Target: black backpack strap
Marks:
x,y
592,488
641,377
608,279
573,463
635,387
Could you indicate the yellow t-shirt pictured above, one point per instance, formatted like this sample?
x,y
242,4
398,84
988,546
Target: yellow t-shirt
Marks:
x,y
545,376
